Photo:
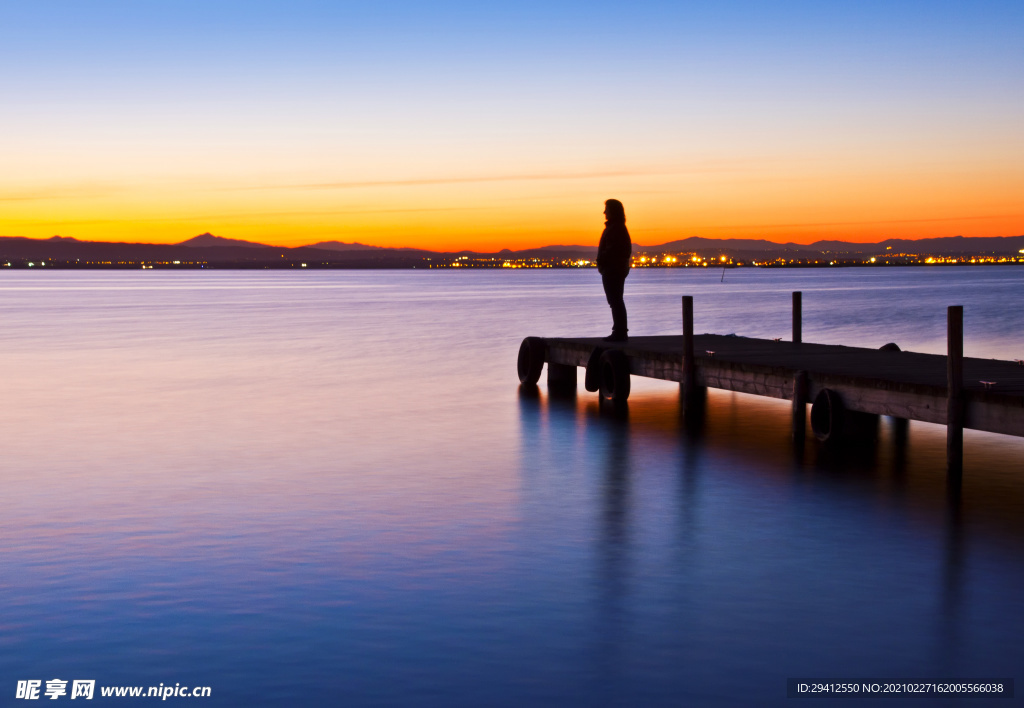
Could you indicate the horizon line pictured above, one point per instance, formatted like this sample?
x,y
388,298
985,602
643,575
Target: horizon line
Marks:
x,y
240,242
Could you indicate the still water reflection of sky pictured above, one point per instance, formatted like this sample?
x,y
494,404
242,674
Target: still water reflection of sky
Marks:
x,y
328,488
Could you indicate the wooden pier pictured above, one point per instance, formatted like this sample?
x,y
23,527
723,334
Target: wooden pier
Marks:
x,y
845,385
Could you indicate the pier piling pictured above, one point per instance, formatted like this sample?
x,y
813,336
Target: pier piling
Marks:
x,y
688,383
954,389
562,378
798,316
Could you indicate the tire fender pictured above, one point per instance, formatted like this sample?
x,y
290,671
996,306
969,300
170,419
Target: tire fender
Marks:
x,y
531,360
614,375
592,378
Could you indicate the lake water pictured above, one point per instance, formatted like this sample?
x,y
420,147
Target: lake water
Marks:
x,y
327,488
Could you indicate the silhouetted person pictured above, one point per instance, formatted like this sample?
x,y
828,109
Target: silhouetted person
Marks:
x,y
613,255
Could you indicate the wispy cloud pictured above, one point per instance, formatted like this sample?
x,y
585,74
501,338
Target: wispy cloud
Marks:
x,y
241,214
873,222
701,168
73,191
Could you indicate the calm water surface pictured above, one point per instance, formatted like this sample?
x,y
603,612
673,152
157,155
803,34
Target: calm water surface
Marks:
x,y
326,488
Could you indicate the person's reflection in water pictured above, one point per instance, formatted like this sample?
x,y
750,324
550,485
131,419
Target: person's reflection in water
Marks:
x,y
609,438
613,260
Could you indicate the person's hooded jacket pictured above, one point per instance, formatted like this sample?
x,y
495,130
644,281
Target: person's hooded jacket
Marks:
x,y
614,250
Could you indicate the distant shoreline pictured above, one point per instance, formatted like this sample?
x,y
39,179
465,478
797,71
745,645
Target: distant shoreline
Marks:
x,y
209,251
463,265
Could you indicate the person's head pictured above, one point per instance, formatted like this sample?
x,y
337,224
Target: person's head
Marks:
x,y
614,211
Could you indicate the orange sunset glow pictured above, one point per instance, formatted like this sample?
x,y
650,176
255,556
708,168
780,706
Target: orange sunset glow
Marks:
x,y
493,212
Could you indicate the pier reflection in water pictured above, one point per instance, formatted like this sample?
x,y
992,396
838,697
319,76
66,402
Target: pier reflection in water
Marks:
x,y
726,554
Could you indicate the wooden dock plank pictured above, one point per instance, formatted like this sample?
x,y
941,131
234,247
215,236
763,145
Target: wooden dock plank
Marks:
x,y
902,384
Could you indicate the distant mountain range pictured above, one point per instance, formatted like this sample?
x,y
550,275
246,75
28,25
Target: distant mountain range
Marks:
x,y
225,252
203,249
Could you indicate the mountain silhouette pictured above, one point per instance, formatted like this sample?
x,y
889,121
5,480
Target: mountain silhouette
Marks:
x,y
342,246
208,240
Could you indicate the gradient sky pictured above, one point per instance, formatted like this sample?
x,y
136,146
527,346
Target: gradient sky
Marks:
x,y
452,125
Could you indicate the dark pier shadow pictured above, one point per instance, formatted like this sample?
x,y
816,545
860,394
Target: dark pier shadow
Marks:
x,y
607,429
954,571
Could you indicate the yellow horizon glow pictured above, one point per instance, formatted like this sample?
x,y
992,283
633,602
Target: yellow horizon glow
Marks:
x,y
776,201
495,227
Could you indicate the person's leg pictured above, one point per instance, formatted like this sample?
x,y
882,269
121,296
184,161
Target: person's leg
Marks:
x,y
613,291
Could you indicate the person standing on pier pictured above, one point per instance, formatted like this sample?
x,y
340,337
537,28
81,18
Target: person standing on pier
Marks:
x,y
613,260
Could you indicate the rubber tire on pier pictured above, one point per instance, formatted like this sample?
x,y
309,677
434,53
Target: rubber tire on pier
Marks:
x,y
592,377
614,376
531,360
827,415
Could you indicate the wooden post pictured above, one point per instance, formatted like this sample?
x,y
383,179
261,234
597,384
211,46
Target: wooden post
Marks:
x,y
799,405
954,390
797,317
561,378
689,389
